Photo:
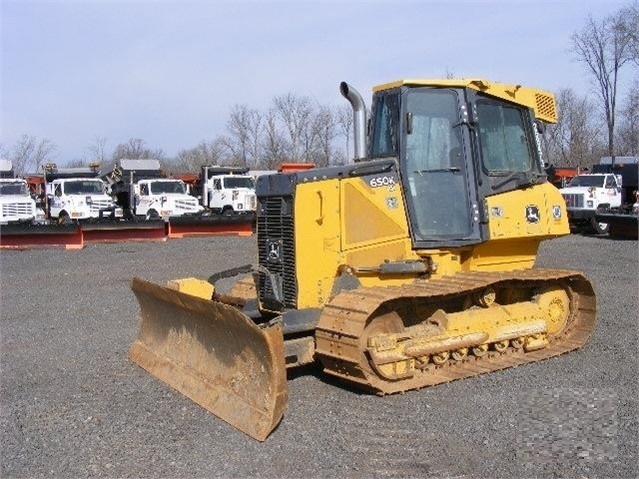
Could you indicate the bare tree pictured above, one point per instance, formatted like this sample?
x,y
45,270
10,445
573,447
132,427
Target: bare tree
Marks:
x,y
98,150
136,149
605,47
243,141
630,23
574,140
273,142
78,163
29,153
629,125
324,131
295,113
344,123
206,153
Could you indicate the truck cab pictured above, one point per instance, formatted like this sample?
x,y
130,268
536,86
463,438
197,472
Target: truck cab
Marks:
x,y
164,197
77,199
587,192
16,203
228,190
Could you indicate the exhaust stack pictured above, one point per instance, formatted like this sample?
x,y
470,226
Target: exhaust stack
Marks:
x,y
359,118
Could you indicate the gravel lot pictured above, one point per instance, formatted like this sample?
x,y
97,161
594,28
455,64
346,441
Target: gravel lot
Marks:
x,y
73,405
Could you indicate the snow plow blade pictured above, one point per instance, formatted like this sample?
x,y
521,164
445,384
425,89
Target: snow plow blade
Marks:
x,y
213,354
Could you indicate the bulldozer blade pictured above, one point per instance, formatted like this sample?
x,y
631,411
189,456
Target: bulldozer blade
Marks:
x,y
213,354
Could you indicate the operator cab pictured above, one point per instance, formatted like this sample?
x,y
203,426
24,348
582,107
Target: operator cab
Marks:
x,y
455,147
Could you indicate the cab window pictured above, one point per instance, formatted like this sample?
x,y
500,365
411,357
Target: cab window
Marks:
x,y
610,182
505,146
385,125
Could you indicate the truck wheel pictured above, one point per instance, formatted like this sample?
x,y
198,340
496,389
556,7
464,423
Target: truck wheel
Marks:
x,y
600,228
64,218
152,215
227,211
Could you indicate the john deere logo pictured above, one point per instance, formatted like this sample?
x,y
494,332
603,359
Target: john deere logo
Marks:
x,y
273,251
532,214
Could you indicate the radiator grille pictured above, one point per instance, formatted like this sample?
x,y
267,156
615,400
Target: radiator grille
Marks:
x,y
574,200
97,205
545,107
276,251
188,205
17,209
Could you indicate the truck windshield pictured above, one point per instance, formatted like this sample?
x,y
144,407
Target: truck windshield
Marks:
x,y
161,187
238,182
7,189
84,187
588,180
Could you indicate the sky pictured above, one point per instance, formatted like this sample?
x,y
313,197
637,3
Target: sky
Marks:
x,y
170,72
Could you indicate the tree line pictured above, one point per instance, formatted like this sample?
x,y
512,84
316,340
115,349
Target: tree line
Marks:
x,y
601,124
293,129
298,129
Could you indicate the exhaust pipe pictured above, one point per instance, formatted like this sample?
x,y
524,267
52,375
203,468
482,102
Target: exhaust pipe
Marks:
x,y
359,118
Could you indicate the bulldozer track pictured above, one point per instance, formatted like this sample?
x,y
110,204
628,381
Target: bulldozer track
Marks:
x,y
344,319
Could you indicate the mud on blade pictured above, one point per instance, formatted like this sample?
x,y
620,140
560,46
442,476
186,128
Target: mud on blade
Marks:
x,y
213,354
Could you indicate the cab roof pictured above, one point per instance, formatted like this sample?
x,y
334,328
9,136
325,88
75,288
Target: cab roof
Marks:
x,y
541,101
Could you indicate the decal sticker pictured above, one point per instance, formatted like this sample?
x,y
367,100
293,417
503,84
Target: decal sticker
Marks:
x,y
532,214
391,202
381,181
556,212
497,211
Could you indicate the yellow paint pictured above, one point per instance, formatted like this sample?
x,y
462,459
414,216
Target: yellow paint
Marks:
x,y
193,286
346,223
317,240
542,102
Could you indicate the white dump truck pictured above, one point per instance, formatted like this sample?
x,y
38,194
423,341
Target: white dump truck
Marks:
x,y
602,188
143,191
227,190
76,194
16,203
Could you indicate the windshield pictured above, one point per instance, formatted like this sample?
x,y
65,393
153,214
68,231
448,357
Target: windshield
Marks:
x,y
434,164
13,189
238,182
161,187
590,180
84,187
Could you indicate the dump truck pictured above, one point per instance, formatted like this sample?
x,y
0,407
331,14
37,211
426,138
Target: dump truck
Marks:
x,y
16,203
412,266
76,194
143,191
227,190
620,221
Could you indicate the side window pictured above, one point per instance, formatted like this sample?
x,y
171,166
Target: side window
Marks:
x,y
217,184
505,145
610,182
58,190
385,125
144,190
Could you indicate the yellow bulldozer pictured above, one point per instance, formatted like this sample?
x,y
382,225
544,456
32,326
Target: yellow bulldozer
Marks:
x,y
409,267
